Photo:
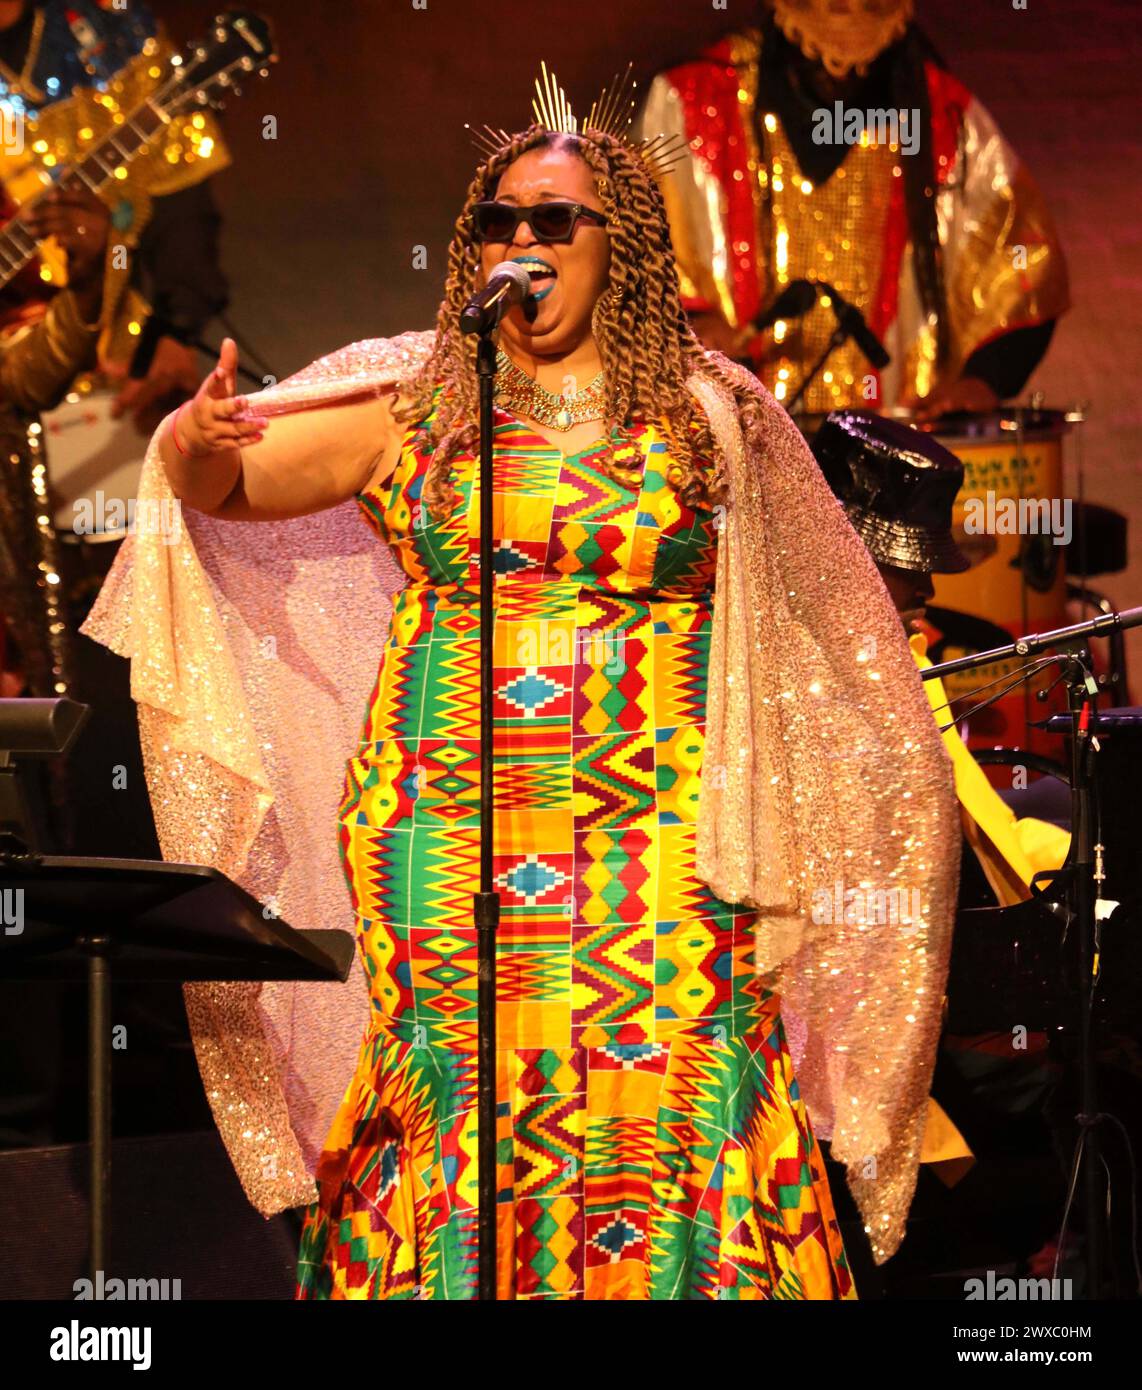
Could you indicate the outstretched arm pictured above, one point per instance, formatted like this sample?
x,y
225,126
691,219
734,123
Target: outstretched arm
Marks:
x,y
222,458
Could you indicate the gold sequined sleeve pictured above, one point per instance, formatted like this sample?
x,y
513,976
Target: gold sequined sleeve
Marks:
x,y
695,207
238,781
825,781
1004,264
38,364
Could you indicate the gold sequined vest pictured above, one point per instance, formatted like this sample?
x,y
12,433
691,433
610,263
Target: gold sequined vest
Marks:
x,y
835,232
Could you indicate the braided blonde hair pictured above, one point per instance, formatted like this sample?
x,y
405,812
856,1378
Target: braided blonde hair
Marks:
x,y
646,344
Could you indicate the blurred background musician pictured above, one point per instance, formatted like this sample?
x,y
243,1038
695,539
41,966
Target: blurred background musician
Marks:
x,y
936,235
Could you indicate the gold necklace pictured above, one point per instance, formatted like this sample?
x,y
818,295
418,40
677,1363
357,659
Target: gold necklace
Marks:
x,y
524,396
20,83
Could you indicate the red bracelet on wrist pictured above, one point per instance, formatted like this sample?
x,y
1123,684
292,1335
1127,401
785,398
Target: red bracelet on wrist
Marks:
x,y
174,430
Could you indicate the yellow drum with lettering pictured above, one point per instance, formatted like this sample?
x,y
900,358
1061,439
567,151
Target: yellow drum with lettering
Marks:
x,y
1012,517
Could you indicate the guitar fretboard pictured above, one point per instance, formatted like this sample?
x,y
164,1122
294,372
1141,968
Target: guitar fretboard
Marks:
x,y
240,42
95,171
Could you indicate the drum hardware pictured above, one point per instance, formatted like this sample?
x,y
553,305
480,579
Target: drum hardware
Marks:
x,y
1080,411
1083,877
1090,599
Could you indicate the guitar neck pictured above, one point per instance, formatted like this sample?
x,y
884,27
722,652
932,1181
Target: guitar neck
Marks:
x,y
94,172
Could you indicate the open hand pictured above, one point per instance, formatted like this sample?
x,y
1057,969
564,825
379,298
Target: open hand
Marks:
x,y
216,419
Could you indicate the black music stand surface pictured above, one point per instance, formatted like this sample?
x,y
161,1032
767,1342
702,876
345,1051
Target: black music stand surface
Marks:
x,y
141,919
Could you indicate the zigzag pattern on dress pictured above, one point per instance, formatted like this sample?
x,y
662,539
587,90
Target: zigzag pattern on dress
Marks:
x,y
650,1139
587,496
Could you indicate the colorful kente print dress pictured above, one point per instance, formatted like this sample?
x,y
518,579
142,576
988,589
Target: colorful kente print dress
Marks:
x,y
652,1142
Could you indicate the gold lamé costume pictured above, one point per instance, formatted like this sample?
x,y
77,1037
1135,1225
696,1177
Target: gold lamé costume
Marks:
x,y
746,222
43,344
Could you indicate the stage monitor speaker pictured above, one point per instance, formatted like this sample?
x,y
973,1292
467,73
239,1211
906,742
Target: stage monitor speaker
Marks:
x,y
177,1212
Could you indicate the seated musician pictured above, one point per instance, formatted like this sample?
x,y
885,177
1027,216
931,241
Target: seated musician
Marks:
x,y
829,143
898,487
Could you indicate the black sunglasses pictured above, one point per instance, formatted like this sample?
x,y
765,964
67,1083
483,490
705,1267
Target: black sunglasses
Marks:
x,y
548,221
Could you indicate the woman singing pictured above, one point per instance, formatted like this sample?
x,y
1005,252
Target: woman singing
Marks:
x,y
653,1141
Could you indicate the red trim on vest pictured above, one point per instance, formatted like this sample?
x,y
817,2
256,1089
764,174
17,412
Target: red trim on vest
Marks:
x,y
711,85
948,99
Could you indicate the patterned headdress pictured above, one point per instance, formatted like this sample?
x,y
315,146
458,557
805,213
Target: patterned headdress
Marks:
x,y
842,34
611,113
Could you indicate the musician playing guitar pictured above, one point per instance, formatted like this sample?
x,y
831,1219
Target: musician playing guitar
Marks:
x,y
70,67
116,158
38,362
95,108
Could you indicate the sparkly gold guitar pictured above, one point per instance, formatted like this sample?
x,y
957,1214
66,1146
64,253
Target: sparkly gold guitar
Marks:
x,y
239,43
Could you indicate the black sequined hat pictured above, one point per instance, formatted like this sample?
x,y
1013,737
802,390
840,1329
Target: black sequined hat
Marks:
x,y
898,486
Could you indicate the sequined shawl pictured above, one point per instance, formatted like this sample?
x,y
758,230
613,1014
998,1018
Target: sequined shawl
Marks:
x,y
825,784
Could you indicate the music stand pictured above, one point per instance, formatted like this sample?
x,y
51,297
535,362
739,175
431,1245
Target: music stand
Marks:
x,y
138,919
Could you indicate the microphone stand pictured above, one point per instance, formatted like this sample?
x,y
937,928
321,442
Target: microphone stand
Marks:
x,y
1084,872
850,324
486,903
838,339
482,317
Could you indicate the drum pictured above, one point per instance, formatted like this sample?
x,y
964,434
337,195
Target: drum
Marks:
x,y
1012,517
94,463
1012,520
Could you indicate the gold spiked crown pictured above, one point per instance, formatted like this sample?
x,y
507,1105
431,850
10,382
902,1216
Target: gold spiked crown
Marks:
x,y
611,113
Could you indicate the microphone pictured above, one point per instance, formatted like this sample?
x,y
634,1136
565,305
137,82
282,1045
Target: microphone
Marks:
x,y
795,300
856,326
508,285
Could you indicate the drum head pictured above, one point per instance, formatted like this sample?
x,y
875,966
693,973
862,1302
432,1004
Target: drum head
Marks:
x,y
94,462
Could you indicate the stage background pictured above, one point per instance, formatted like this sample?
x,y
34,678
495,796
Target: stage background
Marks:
x,y
371,160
